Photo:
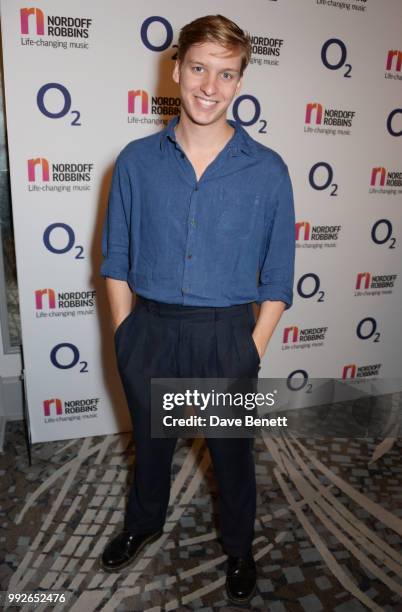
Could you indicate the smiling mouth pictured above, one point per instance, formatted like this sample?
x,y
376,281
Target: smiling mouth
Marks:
x,y
206,103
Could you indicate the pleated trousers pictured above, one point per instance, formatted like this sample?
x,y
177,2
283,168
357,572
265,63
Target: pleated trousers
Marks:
x,y
159,340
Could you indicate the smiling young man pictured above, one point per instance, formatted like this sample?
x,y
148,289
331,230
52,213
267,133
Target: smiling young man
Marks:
x,y
200,225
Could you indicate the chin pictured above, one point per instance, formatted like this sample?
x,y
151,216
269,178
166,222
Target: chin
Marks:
x,y
204,118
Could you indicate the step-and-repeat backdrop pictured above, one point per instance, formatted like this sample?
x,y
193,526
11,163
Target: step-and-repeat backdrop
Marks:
x,y
324,89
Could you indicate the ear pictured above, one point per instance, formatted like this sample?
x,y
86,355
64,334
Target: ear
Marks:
x,y
239,84
176,72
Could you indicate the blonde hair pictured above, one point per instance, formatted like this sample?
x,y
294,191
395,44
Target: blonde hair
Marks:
x,y
216,29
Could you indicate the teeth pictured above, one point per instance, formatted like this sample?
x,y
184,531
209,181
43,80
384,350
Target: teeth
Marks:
x,y
206,103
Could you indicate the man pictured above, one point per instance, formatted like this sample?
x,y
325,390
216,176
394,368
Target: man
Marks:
x,y
200,224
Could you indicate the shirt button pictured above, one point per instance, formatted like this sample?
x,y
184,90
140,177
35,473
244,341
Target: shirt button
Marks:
x,y
189,256
192,222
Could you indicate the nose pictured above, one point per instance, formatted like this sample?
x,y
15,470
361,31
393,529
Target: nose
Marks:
x,y
208,84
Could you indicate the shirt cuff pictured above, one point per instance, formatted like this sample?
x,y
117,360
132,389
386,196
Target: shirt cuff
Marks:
x,y
107,269
275,293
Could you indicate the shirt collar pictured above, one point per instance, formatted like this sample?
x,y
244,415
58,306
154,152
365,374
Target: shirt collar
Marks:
x,y
168,133
240,142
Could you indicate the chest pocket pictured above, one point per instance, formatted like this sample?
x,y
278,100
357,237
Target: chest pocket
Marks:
x,y
237,212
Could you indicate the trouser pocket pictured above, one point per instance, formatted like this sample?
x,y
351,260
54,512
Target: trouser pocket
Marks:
x,y
121,326
247,353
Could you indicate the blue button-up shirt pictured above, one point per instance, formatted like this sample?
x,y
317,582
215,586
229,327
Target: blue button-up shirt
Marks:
x,y
226,239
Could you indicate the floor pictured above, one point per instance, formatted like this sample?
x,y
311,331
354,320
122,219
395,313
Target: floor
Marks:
x,y
328,534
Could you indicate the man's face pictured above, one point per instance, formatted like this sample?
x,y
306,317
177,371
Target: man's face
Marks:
x,y
209,78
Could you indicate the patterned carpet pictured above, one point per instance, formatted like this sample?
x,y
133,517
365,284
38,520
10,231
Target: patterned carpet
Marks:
x,y
328,534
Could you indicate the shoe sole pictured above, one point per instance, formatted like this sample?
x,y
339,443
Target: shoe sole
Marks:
x,y
145,543
240,600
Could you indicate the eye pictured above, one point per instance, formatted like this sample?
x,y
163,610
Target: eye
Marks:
x,y
197,69
227,76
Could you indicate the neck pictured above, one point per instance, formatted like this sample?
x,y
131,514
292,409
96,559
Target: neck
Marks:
x,y
202,138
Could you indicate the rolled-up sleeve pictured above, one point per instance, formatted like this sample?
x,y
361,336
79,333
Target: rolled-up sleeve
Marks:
x,y
116,230
277,271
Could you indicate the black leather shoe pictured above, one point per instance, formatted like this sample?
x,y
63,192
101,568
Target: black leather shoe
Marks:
x,y
241,579
124,548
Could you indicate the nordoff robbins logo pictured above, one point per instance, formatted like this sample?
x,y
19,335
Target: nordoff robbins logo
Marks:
x,y
65,176
374,284
365,280
306,337
309,235
266,50
144,108
393,65
55,409
56,31
34,21
385,181
354,371
318,115
329,121
51,304
140,103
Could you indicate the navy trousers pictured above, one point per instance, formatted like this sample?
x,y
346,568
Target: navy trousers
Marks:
x,y
159,340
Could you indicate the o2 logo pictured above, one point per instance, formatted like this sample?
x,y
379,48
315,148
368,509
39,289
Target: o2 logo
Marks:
x,y
381,233
308,286
256,112
59,238
66,356
298,380
340,45
167,34
367,328
65,107
315,181
390,122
